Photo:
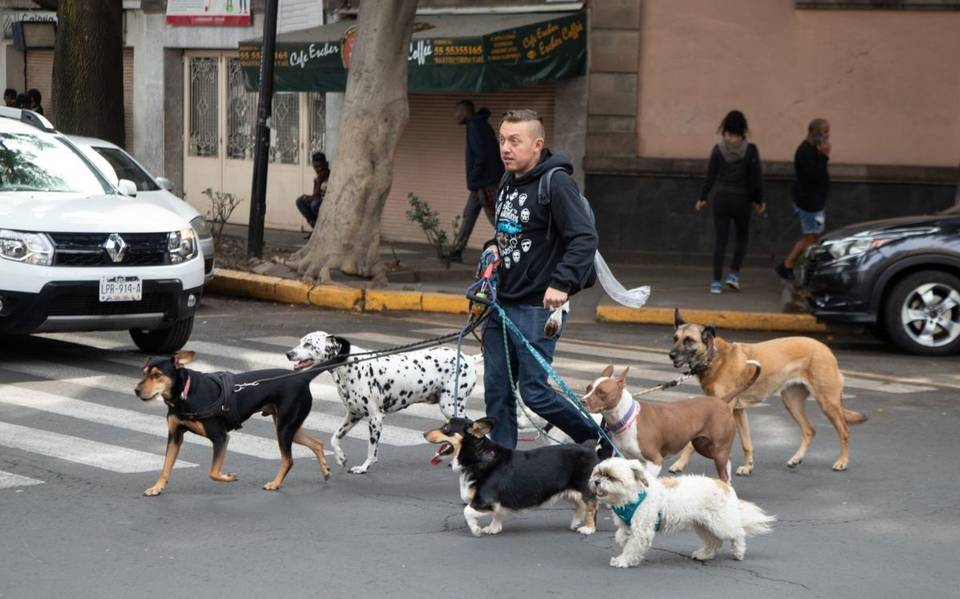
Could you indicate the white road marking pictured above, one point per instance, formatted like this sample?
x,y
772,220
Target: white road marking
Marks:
x,y
81,451
10,480
30,396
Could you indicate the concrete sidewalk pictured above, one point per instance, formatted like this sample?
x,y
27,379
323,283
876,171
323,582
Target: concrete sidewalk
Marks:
x,y
419,281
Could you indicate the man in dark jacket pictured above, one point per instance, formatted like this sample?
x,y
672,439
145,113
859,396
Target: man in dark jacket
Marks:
x,y
546,255
484,170
810,190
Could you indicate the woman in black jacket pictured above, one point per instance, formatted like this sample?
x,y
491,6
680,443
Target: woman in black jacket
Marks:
x,y
735,178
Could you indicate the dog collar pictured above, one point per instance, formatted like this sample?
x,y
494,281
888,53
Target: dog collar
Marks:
x,y
626,511
186,389
625,422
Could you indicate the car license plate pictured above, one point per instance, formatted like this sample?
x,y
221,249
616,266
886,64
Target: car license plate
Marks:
x,y
121,289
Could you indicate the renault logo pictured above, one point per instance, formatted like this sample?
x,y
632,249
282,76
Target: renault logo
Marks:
x,y
116,247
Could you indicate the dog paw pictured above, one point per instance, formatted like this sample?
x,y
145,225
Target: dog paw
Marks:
x,y
153,491
839,465
676,469
358,470
745,470
492,529
476,531
586,530
272,486
794,462
619,562
703,554
341,459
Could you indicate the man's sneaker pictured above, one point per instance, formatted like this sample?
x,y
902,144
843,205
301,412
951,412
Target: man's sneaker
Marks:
x,y
785,273
733,280
716,288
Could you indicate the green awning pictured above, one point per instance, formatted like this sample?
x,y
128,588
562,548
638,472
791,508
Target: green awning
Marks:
x,y
477,53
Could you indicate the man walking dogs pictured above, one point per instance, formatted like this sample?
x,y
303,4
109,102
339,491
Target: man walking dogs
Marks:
x,y
546,252
810,191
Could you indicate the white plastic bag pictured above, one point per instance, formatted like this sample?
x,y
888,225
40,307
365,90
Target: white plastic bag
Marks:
x,y
632,298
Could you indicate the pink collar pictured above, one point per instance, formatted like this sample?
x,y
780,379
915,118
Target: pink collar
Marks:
x,y
186,389
625,422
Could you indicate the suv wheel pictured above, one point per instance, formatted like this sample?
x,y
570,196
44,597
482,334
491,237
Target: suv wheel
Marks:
x,y
163,341
922,314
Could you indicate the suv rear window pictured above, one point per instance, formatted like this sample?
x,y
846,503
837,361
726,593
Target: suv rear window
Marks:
x,y
44,163
125,168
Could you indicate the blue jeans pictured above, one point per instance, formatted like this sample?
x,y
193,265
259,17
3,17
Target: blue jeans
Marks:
x,y
529,375
309,208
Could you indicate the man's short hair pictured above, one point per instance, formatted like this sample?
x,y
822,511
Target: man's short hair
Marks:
x,y
524,115
468,104
817,125
10,93
35,95
319,157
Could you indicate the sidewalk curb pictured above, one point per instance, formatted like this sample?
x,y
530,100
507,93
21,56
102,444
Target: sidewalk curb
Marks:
x,y
336,297
341,297
749,321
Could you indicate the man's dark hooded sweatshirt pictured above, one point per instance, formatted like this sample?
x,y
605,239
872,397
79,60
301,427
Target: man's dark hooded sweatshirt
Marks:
x,y
529,262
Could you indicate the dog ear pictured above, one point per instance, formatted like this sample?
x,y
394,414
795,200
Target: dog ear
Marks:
x,y
608,371
182,358
622,377
639,472
678,320
482,427
707,334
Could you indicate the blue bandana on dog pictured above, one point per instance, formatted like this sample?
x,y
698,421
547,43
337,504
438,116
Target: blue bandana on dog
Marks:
x,y
626,511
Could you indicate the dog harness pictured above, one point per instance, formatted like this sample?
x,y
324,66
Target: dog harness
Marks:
x,y
626,511
624,423
221,404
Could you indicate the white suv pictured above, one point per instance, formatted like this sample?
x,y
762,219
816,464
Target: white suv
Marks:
x,y
78,254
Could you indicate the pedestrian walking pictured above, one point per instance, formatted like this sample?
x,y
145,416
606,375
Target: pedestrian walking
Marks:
x,y
309,204
735,179
484,170
810,191
36,100
546,253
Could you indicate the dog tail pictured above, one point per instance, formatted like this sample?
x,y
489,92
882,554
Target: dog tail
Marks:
x,y
853,416
754,520
757,369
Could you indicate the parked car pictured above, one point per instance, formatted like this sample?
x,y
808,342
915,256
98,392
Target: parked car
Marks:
x,y
79,253
114,162
900,277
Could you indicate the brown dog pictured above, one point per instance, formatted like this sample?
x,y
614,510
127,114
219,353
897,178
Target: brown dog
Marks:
x,y
653,430
796,367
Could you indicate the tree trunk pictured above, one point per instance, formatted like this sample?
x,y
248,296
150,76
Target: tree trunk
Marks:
x,y
88,69
375,112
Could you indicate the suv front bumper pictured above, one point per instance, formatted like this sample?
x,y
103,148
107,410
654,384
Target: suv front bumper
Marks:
x,y
76,306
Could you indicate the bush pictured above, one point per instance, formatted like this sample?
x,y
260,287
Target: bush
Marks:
x,y
222,206
421,213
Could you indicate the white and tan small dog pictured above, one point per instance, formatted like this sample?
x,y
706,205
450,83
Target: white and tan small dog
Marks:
x,y
667,505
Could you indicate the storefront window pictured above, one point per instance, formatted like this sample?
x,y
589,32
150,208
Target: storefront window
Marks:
x,y
204,131
241,114
317,112
285,136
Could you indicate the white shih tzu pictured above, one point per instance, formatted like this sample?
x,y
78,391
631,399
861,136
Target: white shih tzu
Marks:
x,y
645,506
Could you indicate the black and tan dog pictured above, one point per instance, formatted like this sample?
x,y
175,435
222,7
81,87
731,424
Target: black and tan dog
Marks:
x,y
495,479
206,404
795,367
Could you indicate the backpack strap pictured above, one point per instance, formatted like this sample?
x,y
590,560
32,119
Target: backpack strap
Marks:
x,y
544,197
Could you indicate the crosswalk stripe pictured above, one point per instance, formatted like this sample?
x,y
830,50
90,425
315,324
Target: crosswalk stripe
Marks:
x,y
31,395
10,480
81,451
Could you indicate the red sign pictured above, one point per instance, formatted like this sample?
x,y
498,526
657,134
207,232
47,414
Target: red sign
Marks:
x,y
211,13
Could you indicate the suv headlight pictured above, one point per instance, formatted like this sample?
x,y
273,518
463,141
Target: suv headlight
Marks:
x,y
182,245
850,248
29,248
201,227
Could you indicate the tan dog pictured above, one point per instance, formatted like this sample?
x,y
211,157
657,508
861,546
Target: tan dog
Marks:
x,y
795,367
653,430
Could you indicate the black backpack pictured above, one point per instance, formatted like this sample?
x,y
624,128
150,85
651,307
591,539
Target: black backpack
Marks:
x,y
544,199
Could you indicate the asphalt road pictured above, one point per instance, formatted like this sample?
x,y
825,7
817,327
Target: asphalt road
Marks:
x,y
77,449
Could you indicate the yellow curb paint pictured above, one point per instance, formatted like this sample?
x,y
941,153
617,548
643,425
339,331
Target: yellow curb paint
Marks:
x,y
378,300
233,282
292,292
446,303
336,297
756,321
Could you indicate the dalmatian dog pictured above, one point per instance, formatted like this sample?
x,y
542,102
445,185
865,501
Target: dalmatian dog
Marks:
x,y
387,384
